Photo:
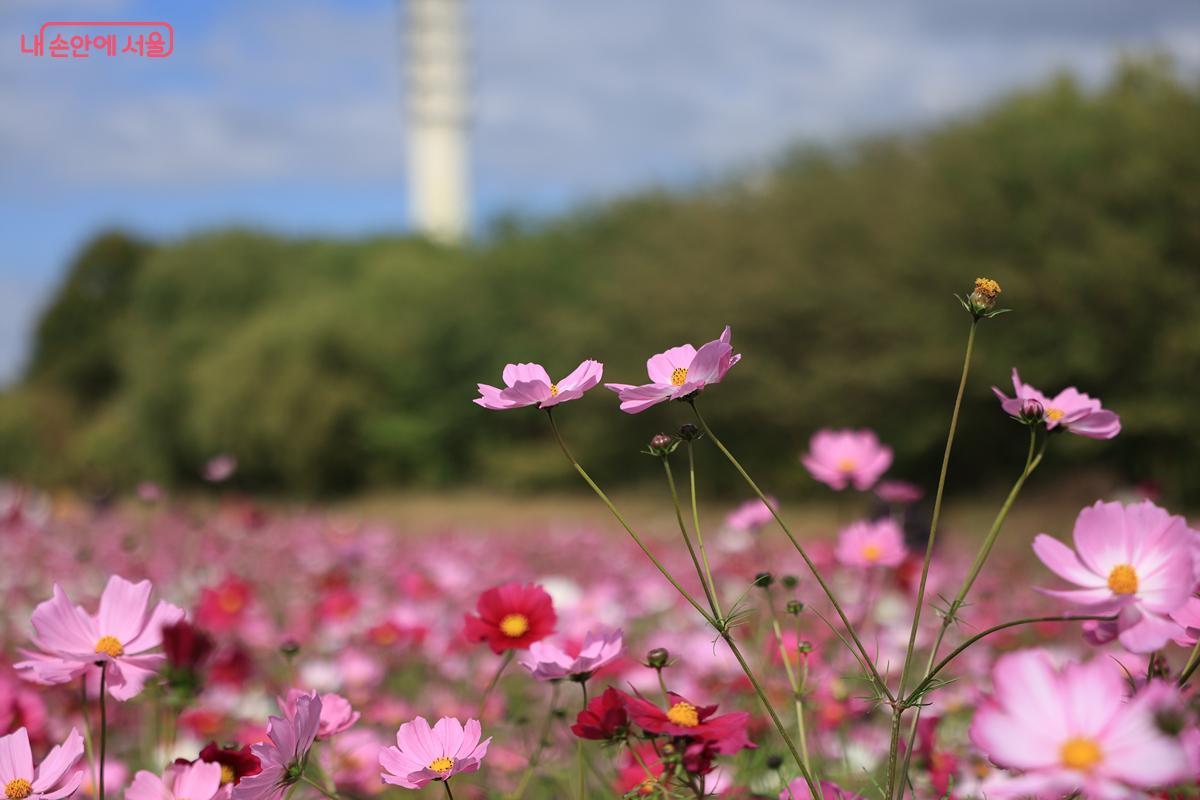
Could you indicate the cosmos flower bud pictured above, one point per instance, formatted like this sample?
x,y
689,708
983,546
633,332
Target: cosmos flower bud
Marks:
x,y
289,648
804,647
688,432
1032,412
789,581
658,657
774,762
982,301
662,444
763,580
794,607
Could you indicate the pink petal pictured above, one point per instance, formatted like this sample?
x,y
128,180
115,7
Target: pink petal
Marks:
x,y
16,759
123,608
1063,562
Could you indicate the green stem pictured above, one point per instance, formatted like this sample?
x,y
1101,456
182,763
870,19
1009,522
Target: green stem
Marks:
x,y
320,788
613,510
1192,663
505,660
103,725
543,736
579,749
812,567
699,535
87,731
893,751
449,794
794,682
687,540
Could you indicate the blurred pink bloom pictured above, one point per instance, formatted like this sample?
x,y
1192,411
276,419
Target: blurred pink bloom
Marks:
x,y
871,544
149,492
529,384
353,761
438,754
57,777
1074,730
798,790
752,514
1135,561
336,713
220,468
899,493
72,641
678,372
283,757
1070,408
198,781
548,662
839,458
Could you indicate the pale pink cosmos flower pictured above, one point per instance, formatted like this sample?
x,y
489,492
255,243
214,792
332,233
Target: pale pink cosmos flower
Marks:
x,y
752,514
679,372
119,637
427,754
220,468
548,662
57,777
899,493
197,781
284,757
1073,730
337,714
839,458
530,384
1133,560
871,544
1070,408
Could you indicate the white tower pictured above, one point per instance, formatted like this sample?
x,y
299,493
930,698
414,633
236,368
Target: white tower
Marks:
x,y
437,118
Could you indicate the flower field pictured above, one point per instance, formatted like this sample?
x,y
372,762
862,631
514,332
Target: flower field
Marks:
x,y
181,650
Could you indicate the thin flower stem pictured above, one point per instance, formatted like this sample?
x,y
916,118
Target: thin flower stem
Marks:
x,y
985,549
87,729
324,791
505,660
543,735
579,748
662,684
687,540
794,681
103,726
449,794
956,652
812,567
893,751
801,764
712,586
1192,663
613,510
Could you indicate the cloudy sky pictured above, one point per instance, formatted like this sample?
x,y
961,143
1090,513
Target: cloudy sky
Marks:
x,y
288,114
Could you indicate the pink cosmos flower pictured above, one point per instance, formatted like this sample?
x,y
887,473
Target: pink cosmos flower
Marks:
x,y
678,372
547,662
899,493
283,758
798,790
337,714
871,544
427,754
198,781
839,458
220,468
752,514
530,384
1133,560
1073,730
57,777
119,637
1070,408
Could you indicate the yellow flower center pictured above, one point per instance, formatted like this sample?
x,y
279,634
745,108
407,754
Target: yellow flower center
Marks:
x,y
1123,579
1080,753
871,551
678,376
684,715
1054,414
514,626
230,601
847,465
554,390
227,775
18,789
987,288
442,765
110,646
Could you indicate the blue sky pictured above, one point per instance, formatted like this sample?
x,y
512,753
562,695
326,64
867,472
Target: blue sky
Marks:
x,y
289,115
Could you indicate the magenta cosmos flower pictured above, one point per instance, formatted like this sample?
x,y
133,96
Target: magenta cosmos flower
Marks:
x,y
752,514
1070,408
871,544
57,777
547,662
285,755
425,754
1073,730
119,637
678,372
530,384
1135,561
337,715
839,458
198,781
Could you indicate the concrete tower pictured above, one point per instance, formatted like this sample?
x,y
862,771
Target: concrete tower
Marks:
x,y
437,117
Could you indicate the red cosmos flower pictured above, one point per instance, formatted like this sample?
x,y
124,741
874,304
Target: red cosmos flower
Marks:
x,y
511,617
726,733
222,607
604,718
235,763
185,645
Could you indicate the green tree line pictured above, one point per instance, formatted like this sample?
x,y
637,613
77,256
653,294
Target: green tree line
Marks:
x,y
327,366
